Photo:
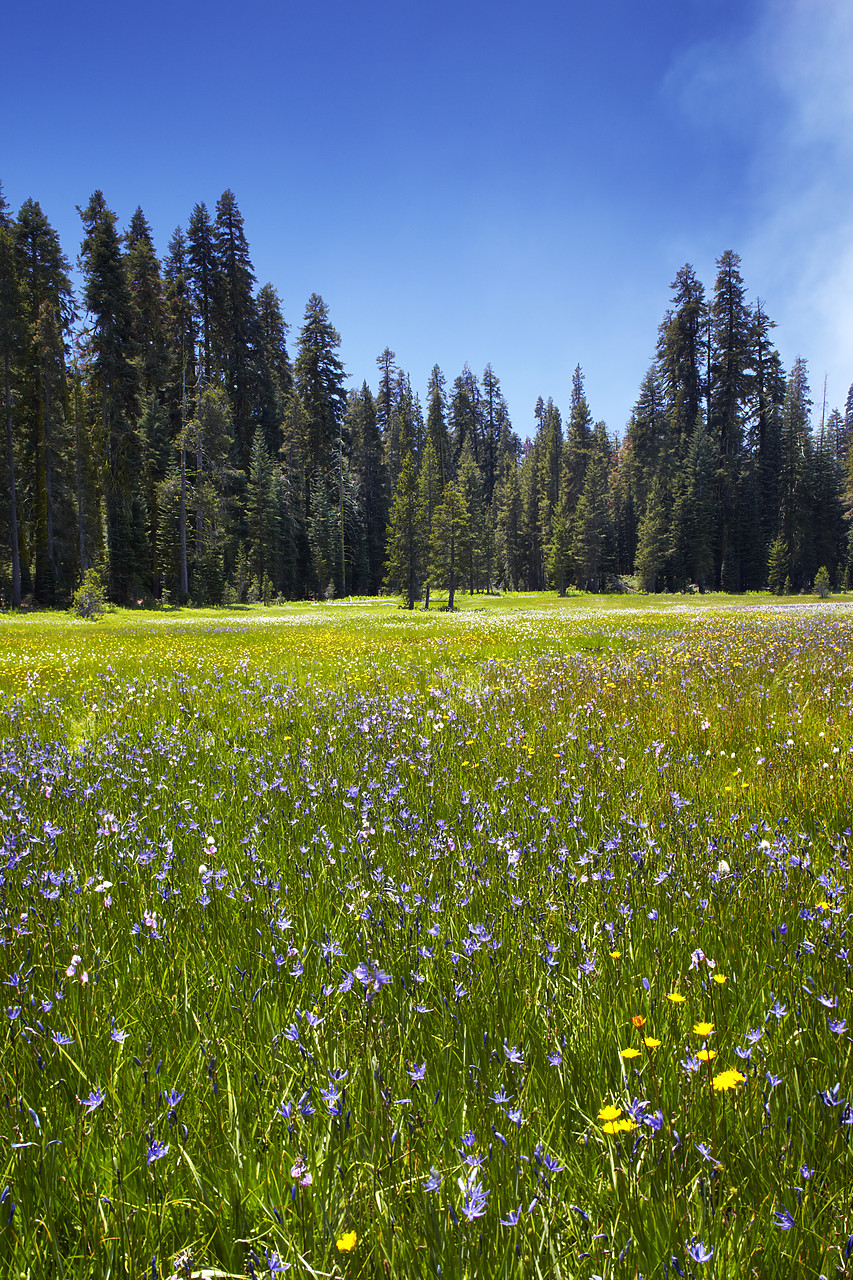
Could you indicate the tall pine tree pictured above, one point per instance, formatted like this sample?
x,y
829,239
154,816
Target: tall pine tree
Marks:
x,y
114,388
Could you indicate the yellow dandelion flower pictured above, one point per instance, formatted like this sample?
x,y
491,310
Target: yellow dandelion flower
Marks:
x,y
630,1053
610,1113
347,1241
719,978
614,955
706,1055
676,997
728,1080
611,1127
703,1029
651,1043
625,1126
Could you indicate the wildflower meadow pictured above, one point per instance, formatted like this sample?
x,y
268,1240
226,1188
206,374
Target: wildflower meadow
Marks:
x,y
340,941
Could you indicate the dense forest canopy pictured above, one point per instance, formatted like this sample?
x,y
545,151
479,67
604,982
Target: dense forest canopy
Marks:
x,y
159,429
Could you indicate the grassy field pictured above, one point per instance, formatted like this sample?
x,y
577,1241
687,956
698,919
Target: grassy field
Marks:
x,y
344,941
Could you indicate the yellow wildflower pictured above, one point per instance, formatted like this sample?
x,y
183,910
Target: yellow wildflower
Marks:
x,y
728,1080
618,1126
610,1113
347,1241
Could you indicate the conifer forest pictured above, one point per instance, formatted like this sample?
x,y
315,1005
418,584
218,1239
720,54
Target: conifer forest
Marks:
x,y
167,426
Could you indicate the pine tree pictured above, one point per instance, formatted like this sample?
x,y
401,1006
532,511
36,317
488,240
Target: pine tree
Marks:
x,y
761,486
471,486
275,375
319,379
828,528
47,302
86,484
114,385
647,439
323,539
492,414
623,512
778,565
149,319
405,429
56,511
369,465
203,278
576,449
701,508
11,335
429,492
559,551
591,534
262,513
731,335
510,528
386,418
550,455
681,353
796,474
533,570
210,443
465,416
236,331
838,435
169,463
355,572
296,552
436,425
451,531
405,548
180,330
653,544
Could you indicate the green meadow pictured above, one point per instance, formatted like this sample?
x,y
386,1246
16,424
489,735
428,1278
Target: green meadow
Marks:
x,y
344,941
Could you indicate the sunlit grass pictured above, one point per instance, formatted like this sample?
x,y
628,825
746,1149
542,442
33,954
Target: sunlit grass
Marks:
x,y
544,822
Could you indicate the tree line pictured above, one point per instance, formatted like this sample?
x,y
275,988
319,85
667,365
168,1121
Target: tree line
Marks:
x,y
159,431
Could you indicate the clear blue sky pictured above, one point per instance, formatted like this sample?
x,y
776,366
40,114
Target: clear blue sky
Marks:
x,y
467,181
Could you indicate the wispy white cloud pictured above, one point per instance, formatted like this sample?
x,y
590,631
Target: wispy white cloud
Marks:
x,y
808,244
783,91
801,247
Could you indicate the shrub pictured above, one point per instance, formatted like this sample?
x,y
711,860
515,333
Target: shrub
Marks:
x,y
89,600
822,585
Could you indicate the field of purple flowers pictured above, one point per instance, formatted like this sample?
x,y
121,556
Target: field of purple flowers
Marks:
x,y
499,944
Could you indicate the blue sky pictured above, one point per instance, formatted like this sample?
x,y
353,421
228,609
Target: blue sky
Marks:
x,y
468,181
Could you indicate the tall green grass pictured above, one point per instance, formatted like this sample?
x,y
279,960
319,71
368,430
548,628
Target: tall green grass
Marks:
x,y
540,824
